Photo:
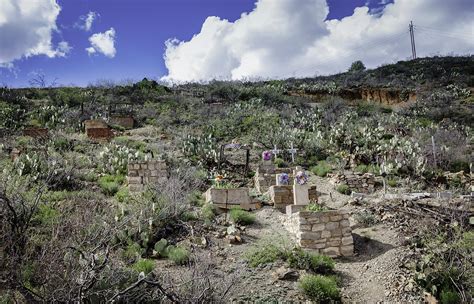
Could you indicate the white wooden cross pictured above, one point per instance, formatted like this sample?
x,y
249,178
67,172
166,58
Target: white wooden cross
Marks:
x,y
292,152
275,151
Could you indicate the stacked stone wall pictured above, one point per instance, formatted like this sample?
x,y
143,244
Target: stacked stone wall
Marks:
x,y
265,177
126,122
326,232
357,182
282,195
229,198
36,132
142,173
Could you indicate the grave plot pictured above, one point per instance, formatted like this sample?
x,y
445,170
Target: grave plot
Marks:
x,y
125,121
282,195
234,157
357,182
141,174
231,198
325,232
98,130
36,132
299,192
121,114
266,173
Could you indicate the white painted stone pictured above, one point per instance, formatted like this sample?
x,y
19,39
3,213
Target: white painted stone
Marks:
x,y
300,194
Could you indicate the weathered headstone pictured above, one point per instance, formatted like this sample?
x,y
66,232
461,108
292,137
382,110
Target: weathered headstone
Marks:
x,y
300,188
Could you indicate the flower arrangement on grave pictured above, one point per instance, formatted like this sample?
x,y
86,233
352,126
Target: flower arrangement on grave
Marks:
x,y
220,182
284,179
301,178
266,155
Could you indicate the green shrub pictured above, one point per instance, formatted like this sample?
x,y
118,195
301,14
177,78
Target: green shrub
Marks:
x,y
144,265
320,288
208,212
123,195
110,184
177,254
321,169
188,216
263,254
47,215
196,199
344,189
367,169
310,261
242,217
449,297
132,252
392,182
280,163
315,207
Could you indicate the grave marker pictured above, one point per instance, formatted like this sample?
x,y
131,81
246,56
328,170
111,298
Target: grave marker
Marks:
x,y
300,188
292,152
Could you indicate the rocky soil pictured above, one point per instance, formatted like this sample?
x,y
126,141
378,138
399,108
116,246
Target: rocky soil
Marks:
x,y
376,273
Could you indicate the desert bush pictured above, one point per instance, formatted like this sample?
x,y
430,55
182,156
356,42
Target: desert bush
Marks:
x,y
365,218
208,212
392,182
315,207
320,288
240,216
321,169
280,163
122,195
445,267
263,254
179,255
132,252
344,189
317,263
144,265
110,184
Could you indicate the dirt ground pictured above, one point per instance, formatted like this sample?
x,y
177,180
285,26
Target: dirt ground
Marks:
x,y
375,274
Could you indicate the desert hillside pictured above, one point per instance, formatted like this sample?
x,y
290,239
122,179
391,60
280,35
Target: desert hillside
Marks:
x,y
352,188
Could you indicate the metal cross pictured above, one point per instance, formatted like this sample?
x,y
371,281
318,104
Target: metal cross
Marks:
x,y
292,152
275,151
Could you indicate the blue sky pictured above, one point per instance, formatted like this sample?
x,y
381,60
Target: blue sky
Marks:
x,y
141,28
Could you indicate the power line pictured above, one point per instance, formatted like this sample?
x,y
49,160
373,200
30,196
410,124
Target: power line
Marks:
x,y
465,34
446,34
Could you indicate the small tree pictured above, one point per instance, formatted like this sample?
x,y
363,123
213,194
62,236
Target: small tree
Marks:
x,y
357,66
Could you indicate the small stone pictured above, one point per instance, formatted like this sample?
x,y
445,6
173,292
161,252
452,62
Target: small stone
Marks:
x,y
318,227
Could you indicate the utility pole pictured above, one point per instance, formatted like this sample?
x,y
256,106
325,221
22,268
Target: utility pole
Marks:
x,y
412,38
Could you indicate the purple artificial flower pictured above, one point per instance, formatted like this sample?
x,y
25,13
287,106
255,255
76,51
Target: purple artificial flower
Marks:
x,y
301,178
284,179
267,155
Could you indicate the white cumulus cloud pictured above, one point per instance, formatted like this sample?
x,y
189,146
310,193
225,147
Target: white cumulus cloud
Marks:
x,y
86,21
288,38
103,43
26,29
